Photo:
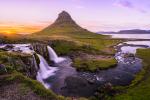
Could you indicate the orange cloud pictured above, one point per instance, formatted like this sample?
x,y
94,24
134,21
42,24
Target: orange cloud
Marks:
x,y
20,29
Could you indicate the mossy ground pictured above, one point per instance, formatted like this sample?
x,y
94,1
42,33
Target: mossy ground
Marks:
x,y
12,61
99,42
138,90
93,65
20,86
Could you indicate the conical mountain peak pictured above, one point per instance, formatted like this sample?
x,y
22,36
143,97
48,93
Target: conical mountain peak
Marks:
x,y
64,18
63,24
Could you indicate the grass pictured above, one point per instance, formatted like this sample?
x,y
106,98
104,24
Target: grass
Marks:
x,y
140,88
67,40
93,65
35,86
13,61
63,47
73,32
26,83
16,75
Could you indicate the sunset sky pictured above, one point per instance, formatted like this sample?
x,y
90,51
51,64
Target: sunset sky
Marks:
x,y
27,16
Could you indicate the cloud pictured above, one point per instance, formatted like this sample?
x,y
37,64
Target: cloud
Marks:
x,y
124,3
129,5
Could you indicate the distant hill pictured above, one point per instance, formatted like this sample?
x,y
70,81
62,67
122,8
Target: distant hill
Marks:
x,y
63,24
134,31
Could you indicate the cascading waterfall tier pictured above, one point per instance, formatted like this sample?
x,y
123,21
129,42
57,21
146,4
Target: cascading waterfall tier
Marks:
x,y
45,71
53,56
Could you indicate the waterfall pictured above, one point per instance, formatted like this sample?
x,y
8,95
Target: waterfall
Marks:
x,y
34,62
45,71
53,56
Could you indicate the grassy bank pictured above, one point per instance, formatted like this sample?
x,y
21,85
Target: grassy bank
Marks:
x,y
98,42
139,89
93,65
15,73
35,86
14,77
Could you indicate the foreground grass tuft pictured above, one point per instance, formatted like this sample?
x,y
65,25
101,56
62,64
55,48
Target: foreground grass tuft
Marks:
x,y
35,86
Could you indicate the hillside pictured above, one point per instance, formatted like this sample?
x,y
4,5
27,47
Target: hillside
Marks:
x,y
66,26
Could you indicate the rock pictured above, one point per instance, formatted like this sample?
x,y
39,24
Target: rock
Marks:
x,y
2,69
42,50
64,17
77,86
9,46
129,55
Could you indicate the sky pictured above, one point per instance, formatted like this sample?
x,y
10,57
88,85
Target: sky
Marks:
x,y
27,16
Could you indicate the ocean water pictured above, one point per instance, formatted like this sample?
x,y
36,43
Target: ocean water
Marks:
x,y
130,36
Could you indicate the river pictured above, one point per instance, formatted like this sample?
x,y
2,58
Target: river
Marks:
x,y
55,77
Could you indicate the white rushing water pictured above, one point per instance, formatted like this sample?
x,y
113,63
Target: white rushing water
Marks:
x,y
45,71
129,49
23,48
53,56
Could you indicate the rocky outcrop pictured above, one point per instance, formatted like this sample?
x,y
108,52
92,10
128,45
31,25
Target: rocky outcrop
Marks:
x,y
41,49
24,64
64,18
77,86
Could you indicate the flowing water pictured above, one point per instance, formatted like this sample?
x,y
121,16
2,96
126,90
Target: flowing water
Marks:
x,y
55,77
45,71
53,56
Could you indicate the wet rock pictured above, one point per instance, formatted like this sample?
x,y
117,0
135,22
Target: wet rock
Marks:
x,y
8,47
24,64
2,69
129,55
77,86
41,49
30,67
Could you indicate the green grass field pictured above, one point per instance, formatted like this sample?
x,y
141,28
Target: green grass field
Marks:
x,y
93,65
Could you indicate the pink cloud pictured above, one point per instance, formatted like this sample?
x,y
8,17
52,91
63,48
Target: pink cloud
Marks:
x,y
129,5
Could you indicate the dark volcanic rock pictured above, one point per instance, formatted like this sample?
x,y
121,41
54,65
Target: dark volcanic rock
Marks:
x,y
64,17
41,49
9,46
77,86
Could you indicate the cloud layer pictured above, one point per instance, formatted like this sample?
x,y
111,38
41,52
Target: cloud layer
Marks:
x,y
129,5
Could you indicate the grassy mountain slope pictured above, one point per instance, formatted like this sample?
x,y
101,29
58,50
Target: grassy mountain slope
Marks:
x,y
65,28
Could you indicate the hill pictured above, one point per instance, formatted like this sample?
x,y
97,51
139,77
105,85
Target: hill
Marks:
x,y
134,31
66,26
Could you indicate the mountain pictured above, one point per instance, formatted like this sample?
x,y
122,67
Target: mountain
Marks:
x,y
109,32
63,24
134,31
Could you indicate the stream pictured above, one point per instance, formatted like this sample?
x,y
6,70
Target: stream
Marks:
x,y
64,79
